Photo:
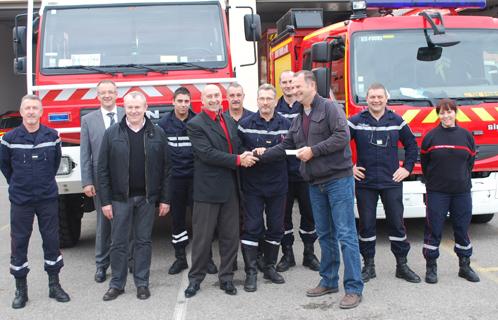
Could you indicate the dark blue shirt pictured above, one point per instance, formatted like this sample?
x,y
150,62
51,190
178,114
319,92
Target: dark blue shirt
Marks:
x,y
377,147
179,146
30,162
265,179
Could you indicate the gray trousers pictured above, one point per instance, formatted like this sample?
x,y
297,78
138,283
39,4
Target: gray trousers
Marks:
x,y
206,218
137,216
102,237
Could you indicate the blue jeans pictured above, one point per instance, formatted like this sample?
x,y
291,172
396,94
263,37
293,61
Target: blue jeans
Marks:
x,y
333,212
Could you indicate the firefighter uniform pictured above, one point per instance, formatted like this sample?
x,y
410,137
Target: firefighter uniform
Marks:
x,y
181,183
298,188
377,152
264,188
447,158
30,162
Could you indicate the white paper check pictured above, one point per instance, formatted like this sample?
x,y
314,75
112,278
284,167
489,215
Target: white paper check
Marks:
x,y
291,152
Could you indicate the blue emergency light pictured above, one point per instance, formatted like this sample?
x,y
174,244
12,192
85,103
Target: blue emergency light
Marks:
x,y
396,4
59,117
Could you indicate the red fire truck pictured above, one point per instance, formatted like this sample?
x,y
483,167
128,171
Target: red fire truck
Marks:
x,y
151,46
421,55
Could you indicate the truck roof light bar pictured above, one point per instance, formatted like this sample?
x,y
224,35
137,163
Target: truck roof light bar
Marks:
x,y
441,4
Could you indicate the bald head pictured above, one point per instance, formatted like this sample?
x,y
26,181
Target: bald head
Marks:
x,y
211,97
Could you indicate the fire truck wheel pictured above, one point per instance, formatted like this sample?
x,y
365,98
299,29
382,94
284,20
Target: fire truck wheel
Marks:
x,y
70,213
482,218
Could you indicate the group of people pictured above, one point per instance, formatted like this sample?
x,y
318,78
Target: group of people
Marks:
x,y
234,168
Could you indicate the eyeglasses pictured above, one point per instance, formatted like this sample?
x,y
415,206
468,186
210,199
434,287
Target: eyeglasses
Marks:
x,y
379,140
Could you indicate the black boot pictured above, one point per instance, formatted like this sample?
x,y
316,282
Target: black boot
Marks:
x,y
271,254
404,272
21,296
309,258
466,271
431,271
368,271
180,262
250,254
287,259
55,290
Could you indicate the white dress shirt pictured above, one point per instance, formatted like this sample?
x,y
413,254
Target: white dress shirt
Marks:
x,y
107,119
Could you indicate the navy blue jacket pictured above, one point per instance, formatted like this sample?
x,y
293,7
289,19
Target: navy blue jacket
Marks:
x,y
286,111
179,146
377,147
265,179
30,162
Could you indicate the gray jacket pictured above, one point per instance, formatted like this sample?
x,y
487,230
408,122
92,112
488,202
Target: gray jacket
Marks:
x,y
92,132
328,138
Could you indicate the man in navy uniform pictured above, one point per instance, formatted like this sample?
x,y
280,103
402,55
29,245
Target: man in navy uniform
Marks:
x,y
264,187
235,97
29,159
174,125
376,132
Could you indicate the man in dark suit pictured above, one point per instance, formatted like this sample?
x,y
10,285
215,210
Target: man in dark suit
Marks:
x,y
93,126
217,155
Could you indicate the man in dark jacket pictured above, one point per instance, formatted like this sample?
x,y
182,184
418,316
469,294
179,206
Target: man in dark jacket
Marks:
x,y
174,125
376,132
321,135
289,108
29,159
133,174
216,190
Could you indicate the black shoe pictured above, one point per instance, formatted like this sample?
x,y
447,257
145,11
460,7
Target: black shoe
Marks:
x,y
287,261
100,275
466,271
228,287
431,271
211,267
21,296
368,271
191,289
143,293
112,294
55,290
404,272
309,258
178,266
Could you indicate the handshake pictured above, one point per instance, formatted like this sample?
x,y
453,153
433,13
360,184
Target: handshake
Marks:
x,y
249,158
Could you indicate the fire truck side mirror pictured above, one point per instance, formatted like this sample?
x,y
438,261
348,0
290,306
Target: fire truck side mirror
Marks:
x,y
322,76
252,27
321,52
19,40
20,65
429,53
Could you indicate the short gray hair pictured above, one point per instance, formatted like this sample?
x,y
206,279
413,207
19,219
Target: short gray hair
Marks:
x,y
30,97
267,87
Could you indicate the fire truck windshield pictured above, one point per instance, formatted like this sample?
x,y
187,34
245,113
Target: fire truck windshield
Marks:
x,y
119,38
467,70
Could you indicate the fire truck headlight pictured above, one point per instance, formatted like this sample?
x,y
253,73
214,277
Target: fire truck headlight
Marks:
x,y
66,166
359,5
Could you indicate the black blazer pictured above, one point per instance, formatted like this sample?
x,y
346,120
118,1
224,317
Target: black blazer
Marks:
x,y
215,169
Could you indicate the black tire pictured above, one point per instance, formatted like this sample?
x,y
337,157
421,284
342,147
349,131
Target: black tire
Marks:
x,y
70,214
482,218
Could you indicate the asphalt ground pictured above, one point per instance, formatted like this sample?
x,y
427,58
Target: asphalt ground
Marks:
x,y
384,297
